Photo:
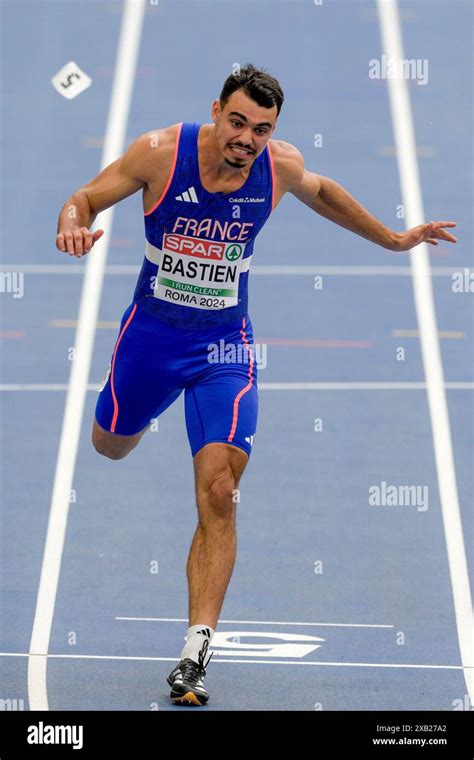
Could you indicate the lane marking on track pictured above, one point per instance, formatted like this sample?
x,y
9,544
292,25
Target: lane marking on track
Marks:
x,y
416,666
404,135
290,386
94,270
444,334
259,622
273,270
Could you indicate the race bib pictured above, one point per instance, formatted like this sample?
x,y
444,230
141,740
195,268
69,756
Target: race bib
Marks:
x,y
202,274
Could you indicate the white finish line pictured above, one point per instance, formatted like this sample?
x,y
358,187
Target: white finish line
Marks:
x,y
258,622
50,656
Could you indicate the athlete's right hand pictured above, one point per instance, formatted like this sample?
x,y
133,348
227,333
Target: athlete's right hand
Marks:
x,y
77,241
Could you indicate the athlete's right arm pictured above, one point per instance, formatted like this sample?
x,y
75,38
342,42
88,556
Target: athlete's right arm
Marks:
x,y
122,178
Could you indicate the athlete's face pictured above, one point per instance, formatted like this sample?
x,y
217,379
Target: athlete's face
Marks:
x,y
243,128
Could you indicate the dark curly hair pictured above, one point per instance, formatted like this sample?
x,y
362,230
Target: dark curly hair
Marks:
x,y
258,84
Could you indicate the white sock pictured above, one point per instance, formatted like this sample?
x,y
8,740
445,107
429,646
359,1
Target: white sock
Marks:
x,y
195,638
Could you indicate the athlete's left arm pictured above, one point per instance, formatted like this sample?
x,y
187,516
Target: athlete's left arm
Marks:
x,y
329,199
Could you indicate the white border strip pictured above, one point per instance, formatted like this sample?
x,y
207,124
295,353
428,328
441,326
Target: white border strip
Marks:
x,y
122,90
412,199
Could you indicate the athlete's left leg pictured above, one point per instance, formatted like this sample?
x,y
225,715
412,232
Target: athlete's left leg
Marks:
x,y
221,419
221,407
218,468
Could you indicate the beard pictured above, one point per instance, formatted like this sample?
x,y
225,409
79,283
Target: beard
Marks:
x,y
234,165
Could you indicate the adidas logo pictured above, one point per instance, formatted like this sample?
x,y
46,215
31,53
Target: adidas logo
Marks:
x,y
205,632
189,196
249,439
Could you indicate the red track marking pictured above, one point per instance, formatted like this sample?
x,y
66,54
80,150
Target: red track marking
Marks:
x,y
12,334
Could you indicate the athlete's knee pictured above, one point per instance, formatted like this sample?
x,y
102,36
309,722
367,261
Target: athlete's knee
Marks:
x,y
219,494
107,447
108,451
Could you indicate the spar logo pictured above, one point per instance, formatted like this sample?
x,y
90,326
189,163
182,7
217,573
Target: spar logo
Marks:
x,y
202,249
233,252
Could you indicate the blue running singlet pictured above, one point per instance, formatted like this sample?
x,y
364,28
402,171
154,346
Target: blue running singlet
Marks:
x,y
188,327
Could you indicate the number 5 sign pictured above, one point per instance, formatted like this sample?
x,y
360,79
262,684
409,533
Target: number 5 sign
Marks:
x,y
71,80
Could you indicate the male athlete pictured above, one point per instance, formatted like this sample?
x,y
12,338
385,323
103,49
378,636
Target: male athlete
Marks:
x,y
207,191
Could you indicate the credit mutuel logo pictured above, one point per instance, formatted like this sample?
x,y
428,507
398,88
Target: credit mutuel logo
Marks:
x,y
246,199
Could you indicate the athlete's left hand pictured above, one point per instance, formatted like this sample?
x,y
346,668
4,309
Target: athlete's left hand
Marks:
x,y
424,233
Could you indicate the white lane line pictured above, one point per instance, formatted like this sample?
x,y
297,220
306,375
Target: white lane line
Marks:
x,y
242,662
375,386
259,622
412,199
122,88
258,269
446,334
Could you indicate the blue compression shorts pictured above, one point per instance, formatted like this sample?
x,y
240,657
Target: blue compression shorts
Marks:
x,y
153,362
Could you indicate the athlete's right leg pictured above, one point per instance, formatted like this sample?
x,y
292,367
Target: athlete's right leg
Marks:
x,y
140,384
